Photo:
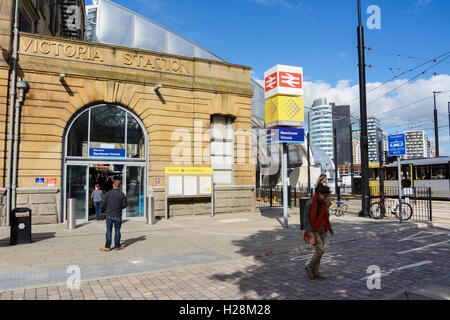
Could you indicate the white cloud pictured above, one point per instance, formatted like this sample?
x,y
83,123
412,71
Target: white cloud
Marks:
x,y
422,3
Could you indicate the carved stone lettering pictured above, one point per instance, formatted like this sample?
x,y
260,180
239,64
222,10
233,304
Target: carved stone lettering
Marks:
x,y
101,55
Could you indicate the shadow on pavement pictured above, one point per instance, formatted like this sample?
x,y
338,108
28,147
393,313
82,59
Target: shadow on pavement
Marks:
x,y
129,242
273,213
35,237
269,275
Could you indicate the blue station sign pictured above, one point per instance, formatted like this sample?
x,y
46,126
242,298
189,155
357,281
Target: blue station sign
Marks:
x,y
396,145
286,135
106,153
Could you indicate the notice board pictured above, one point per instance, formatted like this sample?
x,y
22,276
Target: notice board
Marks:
x,y
189,182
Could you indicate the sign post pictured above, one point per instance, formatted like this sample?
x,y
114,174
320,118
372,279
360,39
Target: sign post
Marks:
x,y
284,107
397,147
284,167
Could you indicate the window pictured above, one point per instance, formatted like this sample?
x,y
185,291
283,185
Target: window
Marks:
x,y
25,23
40,5
439,172
423,172
106,127
222,149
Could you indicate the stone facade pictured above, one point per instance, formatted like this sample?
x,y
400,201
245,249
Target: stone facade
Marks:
x,y
227,199
192,91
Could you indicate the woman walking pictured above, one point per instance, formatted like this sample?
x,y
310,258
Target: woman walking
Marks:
x,y
97,198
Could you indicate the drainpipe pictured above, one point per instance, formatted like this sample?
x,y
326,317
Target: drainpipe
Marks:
x,y
12,100
23,89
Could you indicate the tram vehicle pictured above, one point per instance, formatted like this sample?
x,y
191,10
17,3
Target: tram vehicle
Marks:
x,y
431,172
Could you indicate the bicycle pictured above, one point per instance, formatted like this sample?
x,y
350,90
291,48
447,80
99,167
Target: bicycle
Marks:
x,y
378,211
340,208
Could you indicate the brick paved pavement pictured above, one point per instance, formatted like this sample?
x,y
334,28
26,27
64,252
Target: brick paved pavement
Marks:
x,y
278,276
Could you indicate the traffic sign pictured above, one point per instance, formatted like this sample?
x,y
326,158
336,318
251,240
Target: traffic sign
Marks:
x,y
396,145
285,135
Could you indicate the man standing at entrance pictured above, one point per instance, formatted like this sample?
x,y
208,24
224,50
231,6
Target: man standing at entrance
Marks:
x,y
113,204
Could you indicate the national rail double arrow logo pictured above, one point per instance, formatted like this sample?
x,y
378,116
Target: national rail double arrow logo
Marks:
x,y
290,80
271,82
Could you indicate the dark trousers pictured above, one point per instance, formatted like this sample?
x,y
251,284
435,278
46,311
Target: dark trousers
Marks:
x,y
97,207
117,222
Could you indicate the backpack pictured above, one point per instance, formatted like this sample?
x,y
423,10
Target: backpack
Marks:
x,y
302,210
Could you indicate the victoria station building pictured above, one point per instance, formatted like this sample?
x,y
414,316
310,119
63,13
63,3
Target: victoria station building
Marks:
x,y
103,94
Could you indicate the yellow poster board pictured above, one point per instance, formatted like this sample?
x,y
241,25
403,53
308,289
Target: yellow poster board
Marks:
x,y
189,170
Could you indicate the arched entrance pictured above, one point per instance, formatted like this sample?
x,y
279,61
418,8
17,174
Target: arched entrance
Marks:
x,y
103,143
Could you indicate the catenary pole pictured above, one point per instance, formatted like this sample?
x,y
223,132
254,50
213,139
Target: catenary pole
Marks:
x,y
363,111
351,156
436,126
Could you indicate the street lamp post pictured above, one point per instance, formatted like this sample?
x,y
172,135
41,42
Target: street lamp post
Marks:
x,y
363,111
449,120
308,137
436,127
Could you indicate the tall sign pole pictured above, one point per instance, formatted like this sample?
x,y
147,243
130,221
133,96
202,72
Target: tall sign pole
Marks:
x,y
285,114
363,110
397,148
284,168
399,189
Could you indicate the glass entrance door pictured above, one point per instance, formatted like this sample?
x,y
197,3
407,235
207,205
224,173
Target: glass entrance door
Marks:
x,y
77,189
135,191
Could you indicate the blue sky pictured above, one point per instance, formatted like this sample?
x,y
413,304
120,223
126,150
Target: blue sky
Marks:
x,y
320,36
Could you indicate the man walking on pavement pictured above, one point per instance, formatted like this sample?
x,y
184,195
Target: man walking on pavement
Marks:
x,y
316,223
113,204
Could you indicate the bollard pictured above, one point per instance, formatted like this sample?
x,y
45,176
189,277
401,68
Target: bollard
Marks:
x,y
150,210
71,214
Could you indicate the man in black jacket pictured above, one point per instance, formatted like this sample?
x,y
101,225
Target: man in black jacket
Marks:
x,y
113,204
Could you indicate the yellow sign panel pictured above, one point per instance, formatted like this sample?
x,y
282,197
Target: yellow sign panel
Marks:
x,y
374,165
285,111
188,170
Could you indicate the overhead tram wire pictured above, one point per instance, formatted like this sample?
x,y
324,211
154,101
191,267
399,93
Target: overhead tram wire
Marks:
x,y
403,73
397,54
409,104
415,77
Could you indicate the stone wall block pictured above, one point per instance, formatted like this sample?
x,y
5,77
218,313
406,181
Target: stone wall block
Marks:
x,y
44,220
22,199
47,210
42,199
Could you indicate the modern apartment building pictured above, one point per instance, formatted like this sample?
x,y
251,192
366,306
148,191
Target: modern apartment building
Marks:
x,y
375,134
91,22
321,121
356,143
416,145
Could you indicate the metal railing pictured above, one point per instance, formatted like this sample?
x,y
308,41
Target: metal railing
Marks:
x,y
418,198
272,197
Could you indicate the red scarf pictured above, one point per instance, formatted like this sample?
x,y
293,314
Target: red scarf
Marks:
x,y
320,219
